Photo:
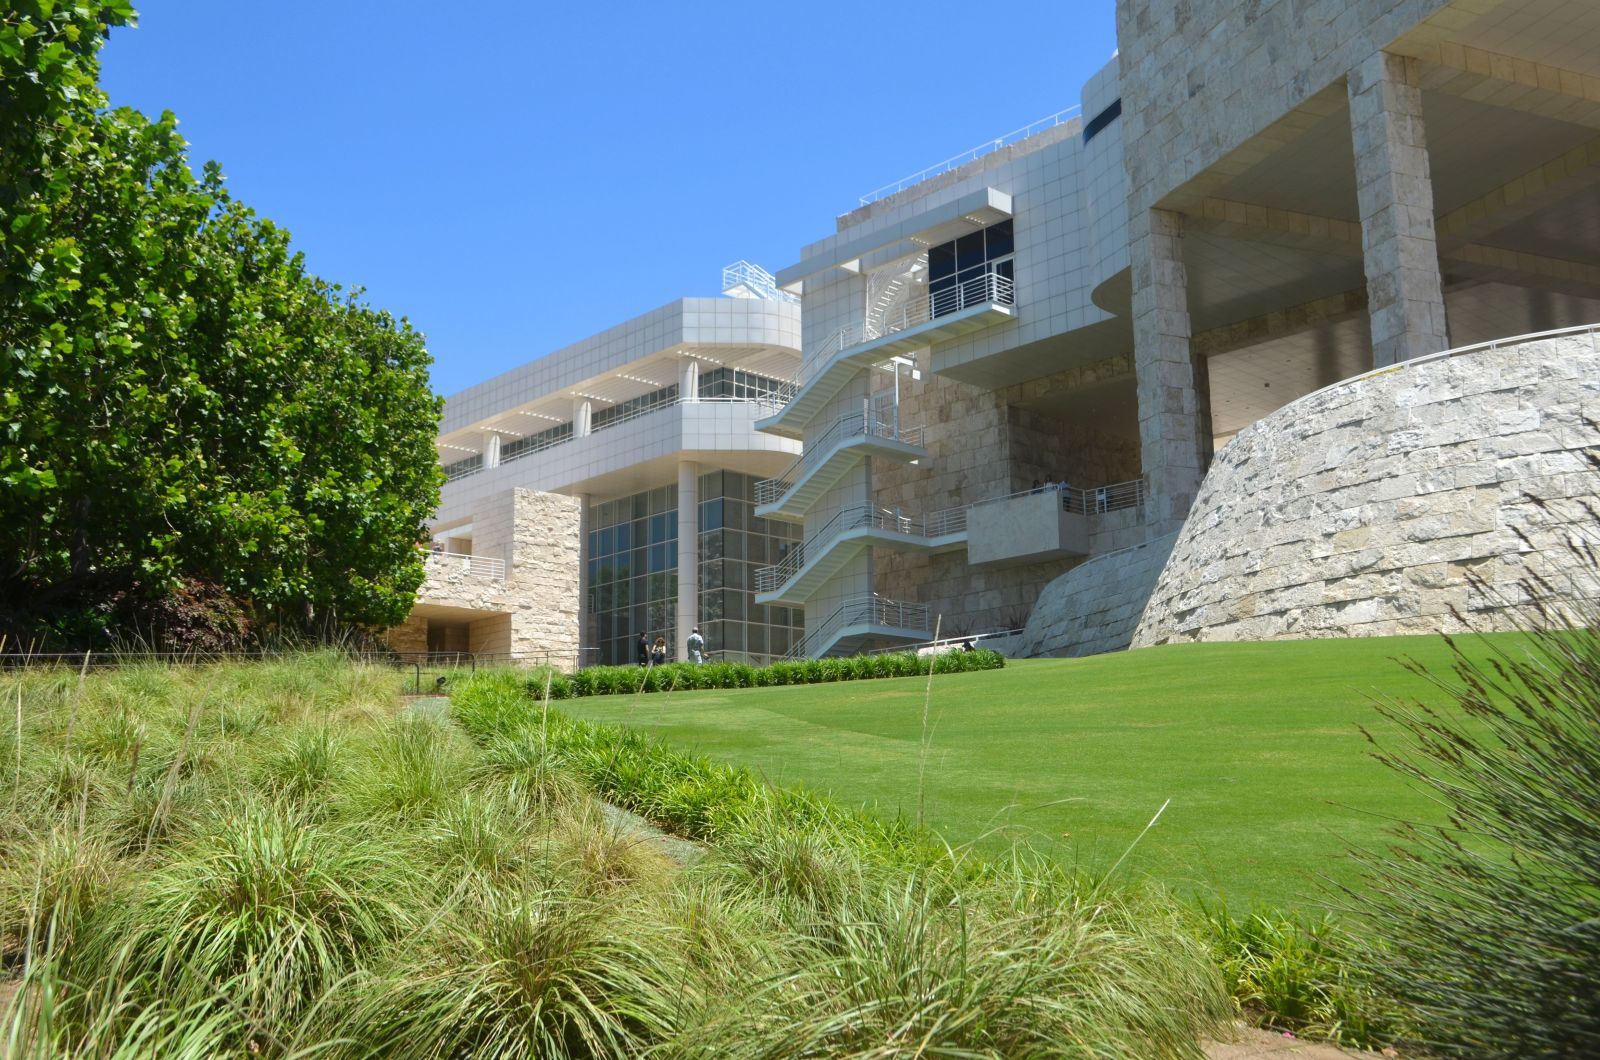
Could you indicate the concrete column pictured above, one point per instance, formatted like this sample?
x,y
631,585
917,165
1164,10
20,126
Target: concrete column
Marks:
x,y
580,417
688,553
585,632
491,450
1405,298
689,379
1174,429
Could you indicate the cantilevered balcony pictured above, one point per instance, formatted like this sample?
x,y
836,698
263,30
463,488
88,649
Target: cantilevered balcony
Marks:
x,y
943,314
852,438
859,619
845,536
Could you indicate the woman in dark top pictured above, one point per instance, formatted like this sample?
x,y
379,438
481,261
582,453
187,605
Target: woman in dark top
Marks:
x,y
658,654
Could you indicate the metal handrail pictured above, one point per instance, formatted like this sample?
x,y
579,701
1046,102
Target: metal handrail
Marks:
x,y
933,524
482,566
865,607
984,289
756,280
972,155
769,403
1091,500
850,425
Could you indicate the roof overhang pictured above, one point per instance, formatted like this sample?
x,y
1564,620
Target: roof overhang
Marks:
x,y
927,228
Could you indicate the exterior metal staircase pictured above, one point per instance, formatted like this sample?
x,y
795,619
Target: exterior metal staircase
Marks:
x,y
826,459
866,615
976,303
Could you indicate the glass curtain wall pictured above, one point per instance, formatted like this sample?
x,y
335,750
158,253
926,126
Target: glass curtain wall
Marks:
x,y
633,572
733,543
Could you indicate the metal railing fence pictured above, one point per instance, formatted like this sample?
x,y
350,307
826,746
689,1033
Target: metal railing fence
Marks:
x,y
480,566
856,610
933,524
768,404
865,423
972,155
984,289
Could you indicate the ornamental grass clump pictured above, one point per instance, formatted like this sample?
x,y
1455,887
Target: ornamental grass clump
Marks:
x,y
1492,920
263,912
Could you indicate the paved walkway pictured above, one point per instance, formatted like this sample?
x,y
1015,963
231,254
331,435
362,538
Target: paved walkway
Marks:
x,y
1252,1043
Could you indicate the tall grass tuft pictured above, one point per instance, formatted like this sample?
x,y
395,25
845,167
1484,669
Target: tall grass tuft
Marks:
x,y
411,767
1492,920
1304,975
264,912
524,973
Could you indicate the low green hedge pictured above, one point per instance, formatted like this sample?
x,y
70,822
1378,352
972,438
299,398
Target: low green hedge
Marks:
x,y
623,680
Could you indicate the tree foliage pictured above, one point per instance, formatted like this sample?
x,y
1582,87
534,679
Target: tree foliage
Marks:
x,y
182,402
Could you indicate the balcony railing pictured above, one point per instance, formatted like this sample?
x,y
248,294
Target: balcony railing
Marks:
x,y
933,524
1097,500
863,424
986,289
478,566
957,161
767,403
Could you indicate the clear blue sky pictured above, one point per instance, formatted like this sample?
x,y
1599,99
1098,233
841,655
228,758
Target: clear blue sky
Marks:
x,y
516,176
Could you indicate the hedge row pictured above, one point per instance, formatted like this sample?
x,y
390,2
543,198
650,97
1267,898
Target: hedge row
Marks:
x,y
626,680
689,795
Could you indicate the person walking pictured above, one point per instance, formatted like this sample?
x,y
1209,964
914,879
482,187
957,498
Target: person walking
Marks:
x,y
697,646
644,649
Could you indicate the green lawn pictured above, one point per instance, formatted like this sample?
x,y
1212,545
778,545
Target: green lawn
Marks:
x,y
1255,744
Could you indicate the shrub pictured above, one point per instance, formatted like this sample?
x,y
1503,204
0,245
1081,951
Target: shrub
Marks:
x,y
1305,976
265,909
630,680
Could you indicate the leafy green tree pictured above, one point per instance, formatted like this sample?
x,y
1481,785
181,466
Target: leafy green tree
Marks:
x,y
180,402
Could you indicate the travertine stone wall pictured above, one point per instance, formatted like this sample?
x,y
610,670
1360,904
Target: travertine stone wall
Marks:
x,y
1045,447
967,435
1096,606
1395,193
980,448
542,583
1360,510
1200,78
410,636
534,611
1174,426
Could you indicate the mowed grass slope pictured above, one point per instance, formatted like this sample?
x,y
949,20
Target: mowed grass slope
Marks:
x,y
1256,745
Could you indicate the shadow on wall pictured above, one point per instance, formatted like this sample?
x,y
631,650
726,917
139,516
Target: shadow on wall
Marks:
x,y
1094,607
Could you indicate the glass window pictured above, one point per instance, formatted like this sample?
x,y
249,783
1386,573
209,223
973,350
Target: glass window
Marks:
x,y
942,261
998,242
969,251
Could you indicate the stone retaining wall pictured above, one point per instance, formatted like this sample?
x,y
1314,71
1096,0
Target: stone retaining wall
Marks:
x,y
534,610
1094,607
1360,510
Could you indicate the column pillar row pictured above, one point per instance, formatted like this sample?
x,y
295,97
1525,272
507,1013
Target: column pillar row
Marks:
x,y
688,612
689,379
1394,192
1174,417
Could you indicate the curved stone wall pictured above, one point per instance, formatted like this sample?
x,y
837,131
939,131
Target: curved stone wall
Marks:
x,y
1095,606
1360,510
